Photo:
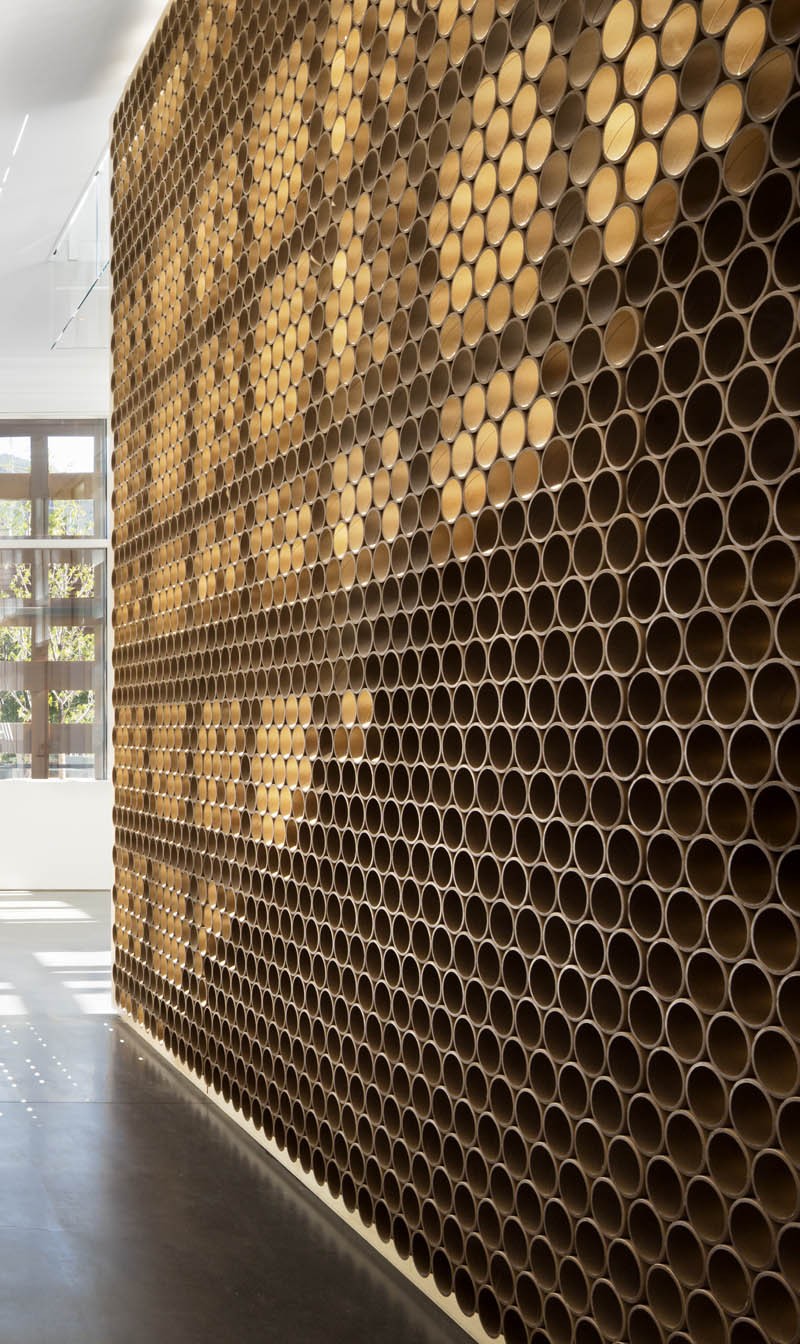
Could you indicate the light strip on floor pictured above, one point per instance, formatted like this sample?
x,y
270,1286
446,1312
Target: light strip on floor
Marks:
x,y
73,960
38,910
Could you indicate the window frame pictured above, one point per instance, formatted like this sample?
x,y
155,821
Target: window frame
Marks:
x,y
39,739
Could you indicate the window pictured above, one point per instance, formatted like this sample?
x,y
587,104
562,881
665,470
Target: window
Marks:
x,y
15,455
53,603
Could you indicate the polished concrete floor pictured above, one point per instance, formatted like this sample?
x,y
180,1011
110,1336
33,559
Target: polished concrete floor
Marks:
x,y
131,1210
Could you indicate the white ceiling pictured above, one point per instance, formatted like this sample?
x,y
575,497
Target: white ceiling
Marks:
x,y
64,64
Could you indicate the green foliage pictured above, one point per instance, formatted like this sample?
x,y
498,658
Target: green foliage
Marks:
x,y
66,582
71,518
15,643
19,585
15,517
66,518
15,707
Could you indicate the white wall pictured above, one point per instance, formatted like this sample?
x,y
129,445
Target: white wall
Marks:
x,y
55,835
57,384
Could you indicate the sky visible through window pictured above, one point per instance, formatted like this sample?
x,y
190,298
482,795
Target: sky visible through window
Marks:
x,y
15,455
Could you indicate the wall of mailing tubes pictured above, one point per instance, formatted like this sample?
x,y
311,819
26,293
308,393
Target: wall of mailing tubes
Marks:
x,y
457,506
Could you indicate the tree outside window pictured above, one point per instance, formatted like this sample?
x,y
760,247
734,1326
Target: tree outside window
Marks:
x,y
52,606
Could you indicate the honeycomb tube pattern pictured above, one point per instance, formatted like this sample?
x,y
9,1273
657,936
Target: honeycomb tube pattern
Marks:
x,y
456,380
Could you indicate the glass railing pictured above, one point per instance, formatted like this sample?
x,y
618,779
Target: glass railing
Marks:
x,y
80,268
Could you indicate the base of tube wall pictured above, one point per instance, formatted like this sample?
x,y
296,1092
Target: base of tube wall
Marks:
x,y
470,1325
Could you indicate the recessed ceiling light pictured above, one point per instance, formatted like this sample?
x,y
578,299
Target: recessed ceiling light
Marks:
x,y
21,133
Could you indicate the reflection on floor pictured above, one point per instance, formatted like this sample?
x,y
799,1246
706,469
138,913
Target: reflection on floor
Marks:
x,y
130,1209
55,954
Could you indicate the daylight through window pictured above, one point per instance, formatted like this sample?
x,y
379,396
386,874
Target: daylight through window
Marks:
x,y
53,578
